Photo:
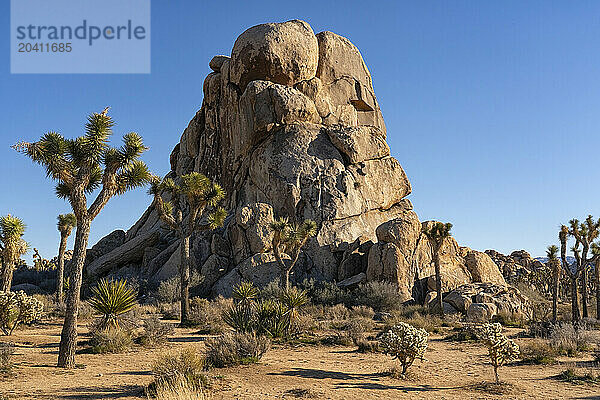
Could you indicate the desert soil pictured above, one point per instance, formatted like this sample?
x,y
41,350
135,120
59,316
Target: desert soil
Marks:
x,y
452,371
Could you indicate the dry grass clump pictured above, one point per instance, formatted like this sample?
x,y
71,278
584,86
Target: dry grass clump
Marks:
x,y
156,332
110,340
181,390
362,312
236,349
570,340
510,319
416,316
496,388
538,352
6,353
178,372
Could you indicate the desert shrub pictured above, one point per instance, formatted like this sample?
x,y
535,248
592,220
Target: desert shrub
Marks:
x,y
169,290
405,343
510,319
368,346
305,323
170,311
362,312
156,332
235,349
341,338
272,291
358,328
380,296
541,329
337,312
429,322
569,339
6,353
110,340
573,376
462,334
500,349
207,316
17,308
174,370
538,352
111,300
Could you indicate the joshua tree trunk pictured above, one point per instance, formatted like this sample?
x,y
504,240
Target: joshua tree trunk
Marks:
x,y
7,274
68,336
496,374
555,288
61,268
584,291
575,300
438,280
185,279
597,274
286,278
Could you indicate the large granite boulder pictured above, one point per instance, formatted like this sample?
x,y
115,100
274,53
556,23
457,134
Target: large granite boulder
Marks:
x,y
290,127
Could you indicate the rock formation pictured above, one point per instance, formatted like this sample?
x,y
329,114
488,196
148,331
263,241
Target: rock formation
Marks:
x,y
290,127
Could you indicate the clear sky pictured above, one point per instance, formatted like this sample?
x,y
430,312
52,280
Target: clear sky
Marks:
x,y
492,108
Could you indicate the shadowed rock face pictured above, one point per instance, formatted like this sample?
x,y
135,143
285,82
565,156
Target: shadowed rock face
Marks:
x,y
290,126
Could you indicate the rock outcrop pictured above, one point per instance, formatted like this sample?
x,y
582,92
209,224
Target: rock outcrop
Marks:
x,y
290,127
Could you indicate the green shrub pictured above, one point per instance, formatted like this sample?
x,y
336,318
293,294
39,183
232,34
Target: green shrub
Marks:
x,y
18,308
173,370
235,349
510,319
405,343
337,339
358,328
111,300
169,290
337,312
272,319
380,296
156,332
110,340
538,352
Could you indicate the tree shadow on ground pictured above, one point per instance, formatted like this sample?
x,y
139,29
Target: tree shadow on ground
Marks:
x,y
99,392
370,381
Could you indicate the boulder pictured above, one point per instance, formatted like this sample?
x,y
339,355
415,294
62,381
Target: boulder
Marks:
x,y
284,53
28,288
131,251
481,312
505,298
482,268
353,281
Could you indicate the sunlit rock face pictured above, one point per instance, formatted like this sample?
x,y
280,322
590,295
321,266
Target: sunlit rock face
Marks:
x,y
290,127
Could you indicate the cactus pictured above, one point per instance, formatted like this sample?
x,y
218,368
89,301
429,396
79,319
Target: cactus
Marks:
x,y
406,343
17,308
501,349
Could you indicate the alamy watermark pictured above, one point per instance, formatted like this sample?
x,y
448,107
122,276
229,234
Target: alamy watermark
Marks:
x,y
82,36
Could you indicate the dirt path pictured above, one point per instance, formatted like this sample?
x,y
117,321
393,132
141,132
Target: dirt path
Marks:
x,y
304,372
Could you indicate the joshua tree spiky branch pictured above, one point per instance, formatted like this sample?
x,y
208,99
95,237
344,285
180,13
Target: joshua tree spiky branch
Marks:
x,y
80,166
202,197
289,238
554,264
437,233
12,247
65,225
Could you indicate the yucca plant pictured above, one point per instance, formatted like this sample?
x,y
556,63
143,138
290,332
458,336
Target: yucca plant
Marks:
x,y
288,239
81,166
12,247
293,299
437,233
240,317
65,225
245,293
202,197
272,318
111,299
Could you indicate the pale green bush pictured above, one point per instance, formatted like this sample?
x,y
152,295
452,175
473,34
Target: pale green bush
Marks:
x,y
405,343
17,308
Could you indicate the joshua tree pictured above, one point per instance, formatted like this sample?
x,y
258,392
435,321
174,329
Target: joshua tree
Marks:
x,y
437,234
554,264
81,166
203,197
596,253
584,234
12,247
66,223
289,239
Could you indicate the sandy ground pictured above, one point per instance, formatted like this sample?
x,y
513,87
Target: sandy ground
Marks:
x,y
450,372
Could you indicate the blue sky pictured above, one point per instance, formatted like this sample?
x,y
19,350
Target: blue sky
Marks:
x,y
492,108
